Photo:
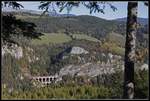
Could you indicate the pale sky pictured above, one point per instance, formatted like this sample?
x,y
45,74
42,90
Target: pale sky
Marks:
x,y
109,14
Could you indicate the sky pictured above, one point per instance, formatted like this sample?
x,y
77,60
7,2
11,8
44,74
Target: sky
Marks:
x,y
109,14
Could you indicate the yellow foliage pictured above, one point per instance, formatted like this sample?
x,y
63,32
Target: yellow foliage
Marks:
x,y
112,47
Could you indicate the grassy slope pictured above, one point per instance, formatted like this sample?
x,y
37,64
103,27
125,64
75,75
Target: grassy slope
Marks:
x,y
86,37
52,38
56,38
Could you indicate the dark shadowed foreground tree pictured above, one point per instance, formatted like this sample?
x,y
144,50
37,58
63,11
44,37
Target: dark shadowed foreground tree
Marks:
x,y
130,47
130,50
12,26
14,5
93,6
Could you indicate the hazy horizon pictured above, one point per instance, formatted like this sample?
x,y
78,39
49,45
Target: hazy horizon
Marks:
x,y
109,14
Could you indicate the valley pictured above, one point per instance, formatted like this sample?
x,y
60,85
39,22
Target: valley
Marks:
x,y
85,53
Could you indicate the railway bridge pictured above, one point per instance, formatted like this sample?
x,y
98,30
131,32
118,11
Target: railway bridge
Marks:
x,y
46,80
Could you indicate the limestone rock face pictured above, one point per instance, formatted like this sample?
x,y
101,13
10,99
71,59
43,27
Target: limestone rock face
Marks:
x,y
88,69
78,50
14,50
19,53
110,55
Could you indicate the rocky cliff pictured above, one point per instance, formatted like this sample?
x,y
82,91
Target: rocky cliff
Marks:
x,y
15,50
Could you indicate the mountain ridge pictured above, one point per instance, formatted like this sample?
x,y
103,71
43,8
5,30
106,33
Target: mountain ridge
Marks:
x,y
50,13
143,21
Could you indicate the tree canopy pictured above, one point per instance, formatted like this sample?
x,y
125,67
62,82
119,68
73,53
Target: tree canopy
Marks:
x,y
12,26
93,6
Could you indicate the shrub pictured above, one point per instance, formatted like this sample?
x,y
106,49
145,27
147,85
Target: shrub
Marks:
x,y
141,85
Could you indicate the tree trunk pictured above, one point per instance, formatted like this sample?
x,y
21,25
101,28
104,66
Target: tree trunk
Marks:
x,y
130,50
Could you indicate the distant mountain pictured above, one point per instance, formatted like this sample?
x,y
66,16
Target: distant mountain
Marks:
x,y
143,21
8,9
91,25
65,15
52,13
55,14
83,24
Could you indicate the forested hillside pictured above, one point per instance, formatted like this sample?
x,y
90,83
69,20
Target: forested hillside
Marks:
x,y
89,25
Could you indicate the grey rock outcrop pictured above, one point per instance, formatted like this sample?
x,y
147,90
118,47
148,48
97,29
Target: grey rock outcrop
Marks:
x,y
14,50
78,50
144,67
88,69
